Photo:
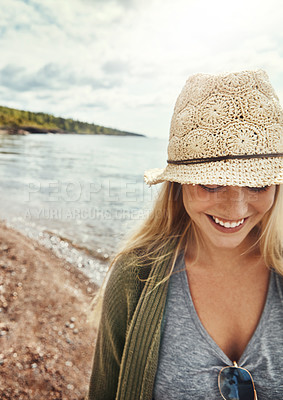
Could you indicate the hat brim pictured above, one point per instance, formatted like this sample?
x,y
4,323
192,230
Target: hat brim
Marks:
x,y
249,172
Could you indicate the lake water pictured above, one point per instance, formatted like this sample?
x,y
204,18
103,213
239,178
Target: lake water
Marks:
x,y
88,190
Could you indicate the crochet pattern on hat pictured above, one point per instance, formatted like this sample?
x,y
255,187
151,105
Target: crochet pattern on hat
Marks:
x,y
230,114
226,129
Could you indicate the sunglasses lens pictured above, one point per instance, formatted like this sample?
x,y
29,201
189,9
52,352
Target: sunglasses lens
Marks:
x,y
236,384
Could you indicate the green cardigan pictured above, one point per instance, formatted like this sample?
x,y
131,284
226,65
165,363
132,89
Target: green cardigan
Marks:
x,y
127,347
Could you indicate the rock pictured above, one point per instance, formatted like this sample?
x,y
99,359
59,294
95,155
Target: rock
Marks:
x,y
68,363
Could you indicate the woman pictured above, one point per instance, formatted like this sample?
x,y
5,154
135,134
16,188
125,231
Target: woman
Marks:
x,y
193,306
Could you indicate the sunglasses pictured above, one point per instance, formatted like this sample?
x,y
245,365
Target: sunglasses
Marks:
x,y
236,383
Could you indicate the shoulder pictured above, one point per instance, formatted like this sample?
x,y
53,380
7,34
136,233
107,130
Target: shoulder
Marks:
x,y
125,283
128,270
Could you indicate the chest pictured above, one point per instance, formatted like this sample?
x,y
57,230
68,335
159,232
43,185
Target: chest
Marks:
x,y
188,355
229,308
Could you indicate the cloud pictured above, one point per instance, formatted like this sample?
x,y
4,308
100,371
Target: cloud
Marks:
x,y
116,67
51,76
93,105
122,3
128,59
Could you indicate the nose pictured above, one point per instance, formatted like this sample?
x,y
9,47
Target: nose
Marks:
x,y
234,202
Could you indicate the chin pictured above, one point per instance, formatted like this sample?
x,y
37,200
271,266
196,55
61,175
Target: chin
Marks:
x,y
227,244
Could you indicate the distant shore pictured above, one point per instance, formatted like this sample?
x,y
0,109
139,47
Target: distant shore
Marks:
x,y
46,343
22,122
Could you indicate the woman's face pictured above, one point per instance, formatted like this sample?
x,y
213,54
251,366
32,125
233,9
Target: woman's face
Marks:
x,y
225,215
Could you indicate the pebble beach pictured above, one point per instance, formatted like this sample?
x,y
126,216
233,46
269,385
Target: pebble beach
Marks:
x,y
67,201
46,341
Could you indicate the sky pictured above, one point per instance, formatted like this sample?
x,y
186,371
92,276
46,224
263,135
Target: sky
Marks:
x,y
122,63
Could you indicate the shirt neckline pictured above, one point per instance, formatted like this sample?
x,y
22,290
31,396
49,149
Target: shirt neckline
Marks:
x,y
214,346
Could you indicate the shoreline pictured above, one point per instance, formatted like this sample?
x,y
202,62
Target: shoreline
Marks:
x,y
32,130
93,264
46,341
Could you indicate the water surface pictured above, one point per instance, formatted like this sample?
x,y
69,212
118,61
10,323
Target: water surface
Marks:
x,y
86,189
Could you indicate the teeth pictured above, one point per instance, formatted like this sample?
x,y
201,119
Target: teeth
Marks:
x,y
231,224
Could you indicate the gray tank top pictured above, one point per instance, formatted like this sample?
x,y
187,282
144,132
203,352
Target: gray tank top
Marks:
x,y
190,360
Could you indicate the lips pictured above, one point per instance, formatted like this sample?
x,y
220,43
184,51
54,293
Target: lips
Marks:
x,y
227,226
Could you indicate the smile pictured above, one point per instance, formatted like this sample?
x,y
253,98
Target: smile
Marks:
x,y
228,224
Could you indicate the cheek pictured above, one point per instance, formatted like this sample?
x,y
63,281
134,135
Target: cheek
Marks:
x,y
195,203
265,204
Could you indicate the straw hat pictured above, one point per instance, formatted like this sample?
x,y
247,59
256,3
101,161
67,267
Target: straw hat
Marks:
x,y
226,129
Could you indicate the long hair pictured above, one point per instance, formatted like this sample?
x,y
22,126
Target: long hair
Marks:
x,y
271,233
167,222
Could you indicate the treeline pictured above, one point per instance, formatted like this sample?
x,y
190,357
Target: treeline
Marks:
x,y
12,119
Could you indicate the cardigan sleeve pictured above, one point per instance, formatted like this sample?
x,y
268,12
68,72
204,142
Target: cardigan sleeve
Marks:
x,y
120,297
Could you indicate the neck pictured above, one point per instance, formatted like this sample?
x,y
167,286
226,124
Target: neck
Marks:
x,y
224,260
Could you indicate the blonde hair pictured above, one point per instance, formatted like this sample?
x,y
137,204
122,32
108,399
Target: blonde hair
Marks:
x,y
169,222
271,233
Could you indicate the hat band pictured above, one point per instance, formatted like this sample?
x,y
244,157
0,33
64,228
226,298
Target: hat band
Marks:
x,y
222,158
